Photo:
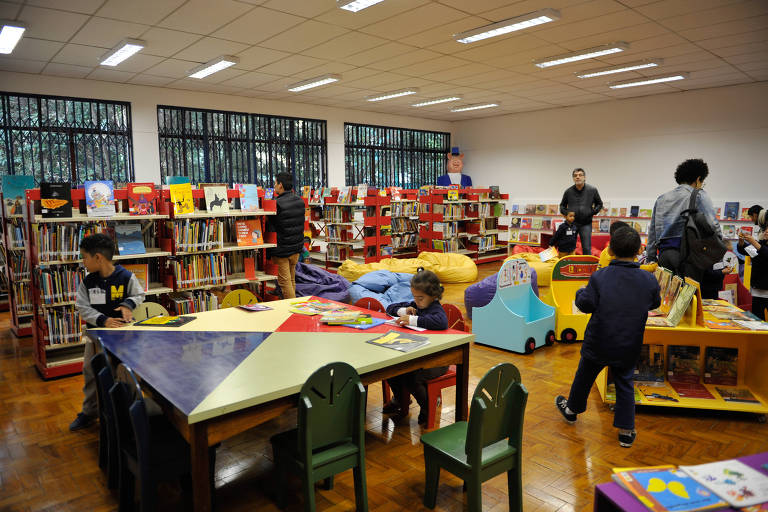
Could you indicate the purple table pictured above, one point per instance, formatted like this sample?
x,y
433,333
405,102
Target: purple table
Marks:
x,y
611,497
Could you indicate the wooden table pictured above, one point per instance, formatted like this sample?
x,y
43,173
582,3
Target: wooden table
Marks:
x,y
230,370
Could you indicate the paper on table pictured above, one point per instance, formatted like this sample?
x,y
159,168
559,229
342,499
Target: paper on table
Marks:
x,y
732,480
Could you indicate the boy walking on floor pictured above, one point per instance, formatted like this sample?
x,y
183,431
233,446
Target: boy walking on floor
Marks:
x,y
619,298
106,298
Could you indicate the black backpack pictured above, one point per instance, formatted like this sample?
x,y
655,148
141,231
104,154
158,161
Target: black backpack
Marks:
x,y
700,245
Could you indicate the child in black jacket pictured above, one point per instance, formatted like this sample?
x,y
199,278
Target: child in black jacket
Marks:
x,y
565,236
619,297
424,311
757,250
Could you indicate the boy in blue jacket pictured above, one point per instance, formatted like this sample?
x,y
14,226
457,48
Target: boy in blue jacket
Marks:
x,y
619,297
565,236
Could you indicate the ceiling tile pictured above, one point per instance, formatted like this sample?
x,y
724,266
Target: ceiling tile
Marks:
x,y
139,11
344,45
489,53
444,32
338,68
702,18
747,58
302,7
157,81
414,21
258,25
373,14
209,48
739,49
36,49
291,65
476,6
672,8
172,68
204,16
67,70
50,24
110,75
256,57
457,72
138,63
107,33
726,29
21,65
629,34
79,55
724,41
303,36
165,42
9,11
407,59
590,27
379,53
81,6
250,80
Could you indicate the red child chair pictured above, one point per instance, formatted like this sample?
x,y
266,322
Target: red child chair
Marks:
x,y
370,303
743,297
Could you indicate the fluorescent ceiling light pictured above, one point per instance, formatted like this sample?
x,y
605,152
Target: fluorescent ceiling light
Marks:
x,y
511,25
658,79
10,35
436,101
356,5
392,94
122,51
213,66
589,53
621,68
476,106
314,82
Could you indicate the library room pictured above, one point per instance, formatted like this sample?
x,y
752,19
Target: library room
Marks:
x,y
383,255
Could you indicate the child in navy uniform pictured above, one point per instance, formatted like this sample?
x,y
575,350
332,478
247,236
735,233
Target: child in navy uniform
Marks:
x,y
425,311
565,236
106,298
619,298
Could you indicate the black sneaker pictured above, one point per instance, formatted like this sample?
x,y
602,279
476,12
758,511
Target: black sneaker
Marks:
x,y
393,407
82,421
562,404
626,440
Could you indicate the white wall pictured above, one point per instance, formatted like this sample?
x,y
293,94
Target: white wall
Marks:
x,y
629,148
144,101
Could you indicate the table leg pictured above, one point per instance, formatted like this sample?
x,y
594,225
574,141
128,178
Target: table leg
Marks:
x,y
201,486
462,385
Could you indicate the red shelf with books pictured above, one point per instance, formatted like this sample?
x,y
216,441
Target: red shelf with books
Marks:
x,y
377,227
17,272
404,216
344,215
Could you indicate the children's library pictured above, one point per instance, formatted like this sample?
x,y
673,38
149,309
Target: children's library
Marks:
x,y
383,255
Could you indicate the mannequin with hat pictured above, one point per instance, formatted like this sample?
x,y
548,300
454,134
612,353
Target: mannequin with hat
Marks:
x,y
454,166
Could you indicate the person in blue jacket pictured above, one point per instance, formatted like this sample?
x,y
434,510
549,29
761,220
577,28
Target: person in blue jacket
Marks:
x,y
424,311
619,297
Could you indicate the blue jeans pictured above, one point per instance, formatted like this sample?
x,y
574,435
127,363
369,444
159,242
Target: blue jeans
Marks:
x,y
624,413
585,234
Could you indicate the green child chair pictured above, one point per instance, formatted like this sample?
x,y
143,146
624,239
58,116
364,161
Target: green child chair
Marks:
x,y
330,436
489,444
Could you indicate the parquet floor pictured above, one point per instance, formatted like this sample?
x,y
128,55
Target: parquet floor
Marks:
x,y
44,467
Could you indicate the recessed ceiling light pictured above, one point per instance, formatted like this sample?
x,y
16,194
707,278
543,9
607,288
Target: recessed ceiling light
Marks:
x,y
436,101
392,94
314,82
10,35
213,66
511,25
122,51
476,106
621,68
356,5
658,79
589,53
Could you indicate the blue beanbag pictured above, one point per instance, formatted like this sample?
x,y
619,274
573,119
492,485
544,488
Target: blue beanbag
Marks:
x,y
379,281
384,286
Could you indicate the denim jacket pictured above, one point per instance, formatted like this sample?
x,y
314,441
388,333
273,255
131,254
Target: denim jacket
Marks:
x,y
666,226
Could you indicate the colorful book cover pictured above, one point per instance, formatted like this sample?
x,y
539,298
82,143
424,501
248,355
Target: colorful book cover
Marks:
x,y
732,480
269,193
216,199
249,265
129,238
670,293
634,211
404,342
657,392
623,212
732,210
680,304
14,199
525,223
166,321
177,180
668,490
745,214
362,191
737,395
729,230
536,223
614,211
55,199
141,198
453,195
683,361
530,209
141,271
645,212
317,195
650,366
339,317
249,232
514,235
541,209
523,237
721,365
514,222
553,209
546,224
100,198
181,196
306,190
746,230
605,225
515,209
249,198
494,193
254,307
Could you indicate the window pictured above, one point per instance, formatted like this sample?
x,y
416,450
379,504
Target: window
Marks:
x,y
233,147
394,157
65,139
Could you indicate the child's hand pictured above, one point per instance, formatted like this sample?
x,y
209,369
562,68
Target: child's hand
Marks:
x,y
404,320
410,311
126,313
114,322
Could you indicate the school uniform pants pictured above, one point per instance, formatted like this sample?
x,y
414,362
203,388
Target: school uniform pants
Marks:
x,y
286,274
414,383
624,412
585,235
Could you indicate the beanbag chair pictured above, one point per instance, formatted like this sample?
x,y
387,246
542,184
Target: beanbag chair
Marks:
x,y
451,267
353,271
480,294
313,280
384,286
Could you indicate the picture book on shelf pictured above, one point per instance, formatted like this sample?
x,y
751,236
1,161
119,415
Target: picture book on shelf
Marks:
x,y
141,271
249,267
55,199
100,198
605,225
176,180
732,480
362,191
530,209
656,392
729,230
269,193
744,214
645,212
720,365
14,198
650,366
249,198
404,342
494,193
553,209
515,209
141,198
667,490
181,197
525,223
129,238
536,223
216,199
514,222
306,190
453,194
683,362
736,395
249,232
541,209
680,304
732,210
344,193
634,211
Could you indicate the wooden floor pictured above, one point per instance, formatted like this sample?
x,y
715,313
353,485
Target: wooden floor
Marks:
x,y
45,467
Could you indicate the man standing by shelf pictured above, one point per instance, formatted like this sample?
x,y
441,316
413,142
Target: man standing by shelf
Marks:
x,y
288,225
584,200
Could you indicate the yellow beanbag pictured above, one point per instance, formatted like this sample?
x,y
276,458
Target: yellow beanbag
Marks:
x,y
451,267
352,271
543,268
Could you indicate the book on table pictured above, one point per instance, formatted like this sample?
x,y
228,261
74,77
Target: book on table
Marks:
x,y
663,489
55,199
339,317
254,307
402,341
735,394
166,321
365,321
732,480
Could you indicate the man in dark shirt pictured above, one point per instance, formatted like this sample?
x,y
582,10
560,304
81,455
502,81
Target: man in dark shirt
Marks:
x,y
585,201
288,225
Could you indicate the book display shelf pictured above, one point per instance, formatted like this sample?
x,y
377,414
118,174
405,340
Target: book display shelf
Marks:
x,y
17,273
4,293
404,210
377,227
468,223
344,218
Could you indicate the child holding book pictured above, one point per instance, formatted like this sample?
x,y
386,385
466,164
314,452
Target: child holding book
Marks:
x,y
565,236
106,298
619,298
424,311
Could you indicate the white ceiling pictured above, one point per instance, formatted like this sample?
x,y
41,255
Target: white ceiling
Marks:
x,y
393,45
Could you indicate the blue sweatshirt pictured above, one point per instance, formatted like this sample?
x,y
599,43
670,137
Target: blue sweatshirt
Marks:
x,y
619,297
432,317
98,297
565,237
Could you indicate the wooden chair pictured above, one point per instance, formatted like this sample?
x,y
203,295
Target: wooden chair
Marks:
x,y
489,444
238,298
330,437
148,310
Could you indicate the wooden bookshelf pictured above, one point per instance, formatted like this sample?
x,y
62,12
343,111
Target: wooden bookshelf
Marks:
x,y
17,279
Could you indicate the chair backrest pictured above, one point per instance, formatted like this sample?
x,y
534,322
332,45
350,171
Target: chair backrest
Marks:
x,y
123,393
497,411
331,408
370,303
98,362
455,318
238,298
140,426
104,382
148,310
